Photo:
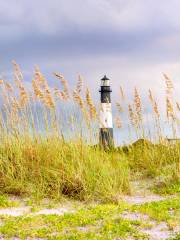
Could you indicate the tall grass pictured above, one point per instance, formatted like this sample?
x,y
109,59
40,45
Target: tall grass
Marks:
x,y
53,168
49,136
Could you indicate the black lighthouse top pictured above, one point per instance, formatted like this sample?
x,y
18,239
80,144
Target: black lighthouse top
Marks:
x,y
105,90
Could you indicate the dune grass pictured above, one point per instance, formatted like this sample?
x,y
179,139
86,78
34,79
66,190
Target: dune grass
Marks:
x,y
53,168
47,150
5,202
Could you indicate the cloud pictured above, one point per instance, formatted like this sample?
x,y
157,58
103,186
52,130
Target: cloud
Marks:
x,y
133,41
122,15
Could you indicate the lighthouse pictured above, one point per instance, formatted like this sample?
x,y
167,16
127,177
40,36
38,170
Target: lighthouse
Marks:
x,y
106,125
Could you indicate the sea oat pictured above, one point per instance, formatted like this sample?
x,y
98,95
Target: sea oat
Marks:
x,y
118,122
48,98
169,109
122,93
178,106
58,93
24,98
169,84
92,108
79,85
18,76
119,107
138,106
9,87
64,83
132,116
154,104
78,99
37,91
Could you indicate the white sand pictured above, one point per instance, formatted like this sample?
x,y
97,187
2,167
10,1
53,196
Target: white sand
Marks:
x,y
142,199
158,232
15,211
134,216
57,211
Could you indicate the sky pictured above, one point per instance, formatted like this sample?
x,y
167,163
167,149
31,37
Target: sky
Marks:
x,y
131,41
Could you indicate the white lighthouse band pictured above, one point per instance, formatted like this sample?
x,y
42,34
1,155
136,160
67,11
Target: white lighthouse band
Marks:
x,y
105,116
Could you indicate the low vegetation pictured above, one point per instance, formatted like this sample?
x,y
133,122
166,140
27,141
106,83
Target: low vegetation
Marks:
x,y
166,210
100,222
5,202
95,221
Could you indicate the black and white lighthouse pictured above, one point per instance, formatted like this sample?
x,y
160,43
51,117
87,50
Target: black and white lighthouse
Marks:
x,y
106,125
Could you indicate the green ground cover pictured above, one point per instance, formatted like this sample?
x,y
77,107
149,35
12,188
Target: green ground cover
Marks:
x,y
5,202
166,210
102,221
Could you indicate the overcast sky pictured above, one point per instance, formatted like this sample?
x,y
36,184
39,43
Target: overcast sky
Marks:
x,y
132,41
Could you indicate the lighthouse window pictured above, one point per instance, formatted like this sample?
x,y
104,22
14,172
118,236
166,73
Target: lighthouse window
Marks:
x,y
105,83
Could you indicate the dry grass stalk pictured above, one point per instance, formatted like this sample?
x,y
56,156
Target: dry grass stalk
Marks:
x,y
58,93
157,116
169,84
138,106
119,107
169,109
15,107
37,91
79,85
8,87
122,93
42,89
154,104
118,122
24,98
178,106
48,99
39,78
90,104
4,94
65,92
18,76
78,99
18,79
132,116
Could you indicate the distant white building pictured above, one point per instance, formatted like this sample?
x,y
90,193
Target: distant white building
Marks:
x,y
173,140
